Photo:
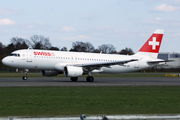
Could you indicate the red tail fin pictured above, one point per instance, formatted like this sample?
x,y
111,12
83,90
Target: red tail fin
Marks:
x,y
153,44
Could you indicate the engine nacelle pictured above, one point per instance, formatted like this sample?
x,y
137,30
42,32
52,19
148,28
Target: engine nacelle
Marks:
x,y
49,73
71,71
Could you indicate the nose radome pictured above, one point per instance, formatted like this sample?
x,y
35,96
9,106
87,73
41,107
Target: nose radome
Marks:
x,y
4,61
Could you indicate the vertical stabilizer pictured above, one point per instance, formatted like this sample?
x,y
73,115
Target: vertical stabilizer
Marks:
x,y
152,45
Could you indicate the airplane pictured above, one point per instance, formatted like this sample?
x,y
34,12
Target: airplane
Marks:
x,y
76,64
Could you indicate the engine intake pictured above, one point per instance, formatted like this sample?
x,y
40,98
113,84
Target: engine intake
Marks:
x,y
71,71
49,73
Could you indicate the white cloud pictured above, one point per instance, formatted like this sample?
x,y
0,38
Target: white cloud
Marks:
x,y
79,37
151,21
160,21
90,17
166,8
8,11
40,23
6,21
67,29
30,26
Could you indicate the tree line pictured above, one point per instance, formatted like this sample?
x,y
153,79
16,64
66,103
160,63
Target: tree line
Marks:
x,y
43,43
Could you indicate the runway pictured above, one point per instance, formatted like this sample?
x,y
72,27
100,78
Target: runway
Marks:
x,y
99,81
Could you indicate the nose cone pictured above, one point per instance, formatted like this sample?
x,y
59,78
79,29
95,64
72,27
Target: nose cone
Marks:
x,y
5,61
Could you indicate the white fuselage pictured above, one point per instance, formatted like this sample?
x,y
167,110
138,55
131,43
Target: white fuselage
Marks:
x,y
57,60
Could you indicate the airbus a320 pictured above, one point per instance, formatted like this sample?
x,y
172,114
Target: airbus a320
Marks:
x,y
76,64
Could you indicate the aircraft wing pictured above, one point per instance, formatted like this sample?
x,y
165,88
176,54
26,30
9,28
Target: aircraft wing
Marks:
x,y
93,66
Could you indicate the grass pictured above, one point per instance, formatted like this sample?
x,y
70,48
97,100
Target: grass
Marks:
x,y
50,101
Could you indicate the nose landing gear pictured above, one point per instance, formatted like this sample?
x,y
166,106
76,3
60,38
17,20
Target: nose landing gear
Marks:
x,y
25,76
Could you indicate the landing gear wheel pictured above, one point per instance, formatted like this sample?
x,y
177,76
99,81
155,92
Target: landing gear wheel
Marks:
x,y
24,77
90,79
74,79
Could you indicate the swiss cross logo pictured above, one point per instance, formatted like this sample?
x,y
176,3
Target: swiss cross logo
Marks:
x,y
154,43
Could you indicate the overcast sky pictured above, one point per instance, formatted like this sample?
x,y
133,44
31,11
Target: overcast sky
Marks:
x,y
122,23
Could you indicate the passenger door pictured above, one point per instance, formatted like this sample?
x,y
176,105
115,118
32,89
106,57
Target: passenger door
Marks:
x,y
29,56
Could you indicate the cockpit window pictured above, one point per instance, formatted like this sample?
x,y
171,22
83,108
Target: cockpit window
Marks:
x,y
14,54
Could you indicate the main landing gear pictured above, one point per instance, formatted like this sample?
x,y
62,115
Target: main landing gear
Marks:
x,y
25,76
88,79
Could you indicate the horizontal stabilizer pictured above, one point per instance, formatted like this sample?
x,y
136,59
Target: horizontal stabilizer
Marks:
x,y
159,61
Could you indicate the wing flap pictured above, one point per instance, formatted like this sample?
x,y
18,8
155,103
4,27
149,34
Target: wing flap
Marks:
x,y
104,64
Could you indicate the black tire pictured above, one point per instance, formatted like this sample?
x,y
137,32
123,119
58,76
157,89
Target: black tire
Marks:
x,y
90,79
74,79
24,77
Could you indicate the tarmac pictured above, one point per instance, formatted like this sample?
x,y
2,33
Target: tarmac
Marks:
x,y
99,81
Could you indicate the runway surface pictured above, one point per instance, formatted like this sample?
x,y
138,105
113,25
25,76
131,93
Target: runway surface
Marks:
x,y
108,81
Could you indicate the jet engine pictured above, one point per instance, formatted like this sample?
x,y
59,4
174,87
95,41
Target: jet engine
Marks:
x,y
72,71
49,73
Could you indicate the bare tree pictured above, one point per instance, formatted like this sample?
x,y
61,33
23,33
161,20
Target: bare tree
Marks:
x,y
20,43
126,51
89,47
1,45
40,42
54,48
96,51
64,49
2,48
10,48
107,48
82,47
16,40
